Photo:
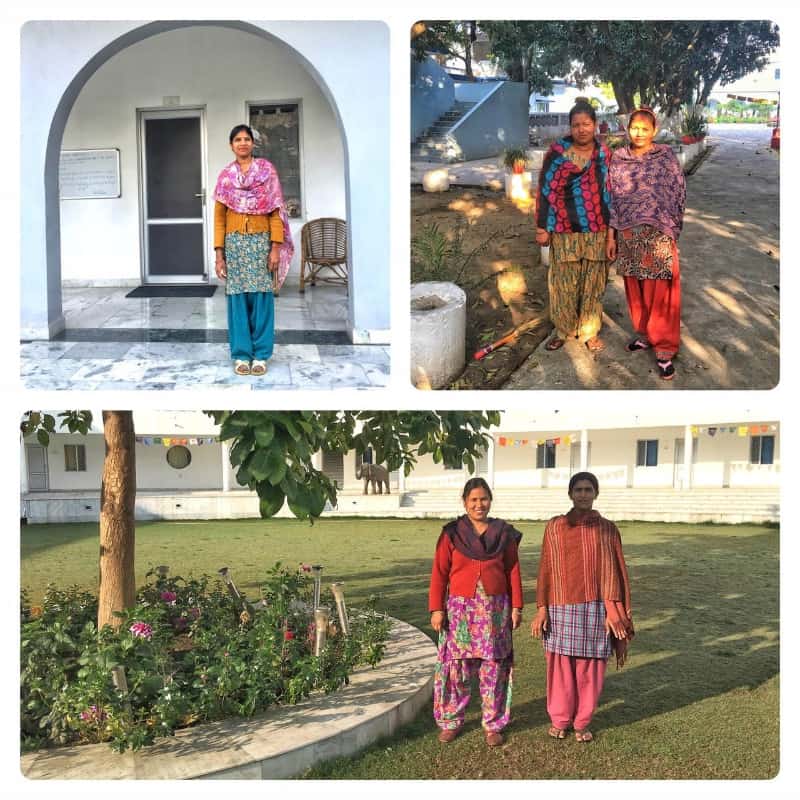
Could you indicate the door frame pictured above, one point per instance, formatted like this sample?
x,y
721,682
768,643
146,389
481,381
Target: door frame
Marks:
x,y
178,112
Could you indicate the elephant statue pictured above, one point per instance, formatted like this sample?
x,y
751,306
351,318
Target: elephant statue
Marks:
x,y
374,474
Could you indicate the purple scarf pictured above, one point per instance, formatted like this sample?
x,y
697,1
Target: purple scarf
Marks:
x,y
647,190
484,547
257,192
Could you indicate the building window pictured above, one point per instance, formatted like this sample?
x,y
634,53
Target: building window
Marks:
x,y
762,449
647,453
546,455
179,457
75,457
777,73
277,132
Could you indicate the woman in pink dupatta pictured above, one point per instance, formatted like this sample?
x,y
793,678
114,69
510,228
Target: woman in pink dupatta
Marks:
x,y
253,247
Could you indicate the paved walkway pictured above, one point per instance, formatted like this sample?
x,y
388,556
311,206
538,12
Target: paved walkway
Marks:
x,y
730,250
115,342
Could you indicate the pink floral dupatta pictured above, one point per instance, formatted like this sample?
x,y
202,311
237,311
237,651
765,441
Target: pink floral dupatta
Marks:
x,y
257,192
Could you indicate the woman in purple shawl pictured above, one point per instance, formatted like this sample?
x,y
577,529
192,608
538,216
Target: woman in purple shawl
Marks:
x,y
648,194
253,246
475,600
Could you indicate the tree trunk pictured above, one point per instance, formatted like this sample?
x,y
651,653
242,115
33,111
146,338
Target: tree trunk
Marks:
x,y
117,526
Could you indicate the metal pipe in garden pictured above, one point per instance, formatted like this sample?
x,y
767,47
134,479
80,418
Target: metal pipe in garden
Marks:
x,y
316,571
338,595
321,619
233,591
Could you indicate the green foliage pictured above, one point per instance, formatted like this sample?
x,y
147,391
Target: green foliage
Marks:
x,y
453,38
435,257
513,156
42,425
694,124
189,655
272,449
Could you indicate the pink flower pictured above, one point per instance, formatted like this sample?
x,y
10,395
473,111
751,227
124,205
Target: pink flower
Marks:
x,y
93,714
141,629
305,567
169,597
288,635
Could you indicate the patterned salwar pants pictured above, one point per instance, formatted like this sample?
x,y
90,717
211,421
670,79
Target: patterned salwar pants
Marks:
x,y
451,692
576,297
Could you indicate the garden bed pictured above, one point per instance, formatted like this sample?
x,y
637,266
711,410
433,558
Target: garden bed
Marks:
x,y
486,244
188,652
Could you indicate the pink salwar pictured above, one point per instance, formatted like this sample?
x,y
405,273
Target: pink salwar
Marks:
x,y
574,685
451,692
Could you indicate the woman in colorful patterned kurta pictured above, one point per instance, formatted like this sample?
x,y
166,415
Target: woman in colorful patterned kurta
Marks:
x,y
648,194
572,218
253,246
584,608
475,601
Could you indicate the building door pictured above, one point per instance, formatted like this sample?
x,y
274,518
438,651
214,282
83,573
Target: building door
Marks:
x,y
575,457
333,467
173,196
678,470
36,459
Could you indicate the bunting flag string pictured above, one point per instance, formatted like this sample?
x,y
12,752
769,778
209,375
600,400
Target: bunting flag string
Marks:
x,y
696,430
170,441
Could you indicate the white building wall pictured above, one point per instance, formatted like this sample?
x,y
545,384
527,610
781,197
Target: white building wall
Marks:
x,y
155,474
196,65
62,481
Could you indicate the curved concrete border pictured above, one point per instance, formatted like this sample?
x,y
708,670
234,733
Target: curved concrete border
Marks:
x,y
277,744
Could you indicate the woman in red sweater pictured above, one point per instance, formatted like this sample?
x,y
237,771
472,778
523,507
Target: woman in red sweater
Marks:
x,y
475,601
584,608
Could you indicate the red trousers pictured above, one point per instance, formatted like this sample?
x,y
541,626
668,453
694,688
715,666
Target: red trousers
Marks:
x,y
574,685
655,309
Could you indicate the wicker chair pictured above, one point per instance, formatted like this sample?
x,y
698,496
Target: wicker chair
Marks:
x,y
323,246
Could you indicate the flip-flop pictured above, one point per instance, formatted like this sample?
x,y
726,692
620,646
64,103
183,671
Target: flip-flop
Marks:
x,y
241,367
556,343
584,736
557,733
666,370
258,367
595,344
636,345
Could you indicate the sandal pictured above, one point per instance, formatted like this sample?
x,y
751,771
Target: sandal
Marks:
x,y
636,345
555,343
583,736
595,344
557,733
259,367
666,370
241,367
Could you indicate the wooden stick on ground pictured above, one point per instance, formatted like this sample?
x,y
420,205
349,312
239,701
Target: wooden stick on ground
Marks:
x,y
507,339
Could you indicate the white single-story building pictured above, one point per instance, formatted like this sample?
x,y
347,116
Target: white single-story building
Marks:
x,y
698,466
124,129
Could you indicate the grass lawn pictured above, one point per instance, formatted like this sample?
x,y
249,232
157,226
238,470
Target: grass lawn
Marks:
x,y
698,698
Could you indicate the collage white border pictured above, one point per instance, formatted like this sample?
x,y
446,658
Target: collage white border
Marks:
x,y
780,403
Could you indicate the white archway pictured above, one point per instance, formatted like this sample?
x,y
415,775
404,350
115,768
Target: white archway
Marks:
x,y
58,58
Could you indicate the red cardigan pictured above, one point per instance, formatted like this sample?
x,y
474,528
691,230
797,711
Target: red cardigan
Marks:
x,y
456,574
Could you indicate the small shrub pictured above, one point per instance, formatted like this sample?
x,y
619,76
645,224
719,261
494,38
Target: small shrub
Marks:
x,y
190,653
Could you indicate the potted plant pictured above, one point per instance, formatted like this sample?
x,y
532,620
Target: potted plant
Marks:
x,y
514,159
694,127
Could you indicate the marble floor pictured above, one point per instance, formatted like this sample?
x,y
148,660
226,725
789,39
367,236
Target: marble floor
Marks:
x,y
115,342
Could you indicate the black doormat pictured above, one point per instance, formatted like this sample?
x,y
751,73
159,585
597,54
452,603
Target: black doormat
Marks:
x,y
173,291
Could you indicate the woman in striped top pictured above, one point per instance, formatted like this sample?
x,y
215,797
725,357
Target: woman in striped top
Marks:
x,y
584,608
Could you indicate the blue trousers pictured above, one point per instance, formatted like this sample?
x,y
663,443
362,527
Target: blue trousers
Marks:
x,y
251,325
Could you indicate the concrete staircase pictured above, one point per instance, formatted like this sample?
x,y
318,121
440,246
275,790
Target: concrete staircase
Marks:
x,y
654,505
433,145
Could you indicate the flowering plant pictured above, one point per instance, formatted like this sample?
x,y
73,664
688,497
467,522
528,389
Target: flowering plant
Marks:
x,y
188,655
